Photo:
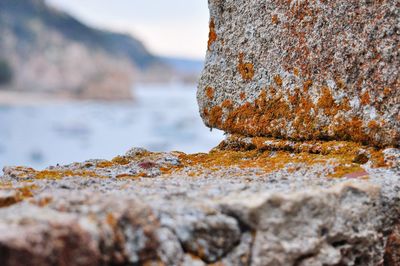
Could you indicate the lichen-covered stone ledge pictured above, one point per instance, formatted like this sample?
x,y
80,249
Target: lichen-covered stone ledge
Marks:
x,y
304,70
248,202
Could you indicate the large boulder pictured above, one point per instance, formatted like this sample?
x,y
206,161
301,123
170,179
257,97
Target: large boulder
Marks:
x,y
304,70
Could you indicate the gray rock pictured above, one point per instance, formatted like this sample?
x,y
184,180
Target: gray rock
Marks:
x,y
304,70
192,215
328,227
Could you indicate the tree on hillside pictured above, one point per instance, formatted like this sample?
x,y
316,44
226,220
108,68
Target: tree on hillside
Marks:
x,y
6,73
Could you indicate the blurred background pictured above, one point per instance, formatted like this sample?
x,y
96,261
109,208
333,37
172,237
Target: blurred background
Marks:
x,y
84,79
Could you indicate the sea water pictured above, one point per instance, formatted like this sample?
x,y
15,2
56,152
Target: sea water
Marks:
x,y
161,118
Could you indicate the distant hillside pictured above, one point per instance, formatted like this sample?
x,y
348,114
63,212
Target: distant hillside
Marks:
x,y
21,15
44,49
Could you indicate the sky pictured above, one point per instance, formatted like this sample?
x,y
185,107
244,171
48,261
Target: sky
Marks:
x,y
166,27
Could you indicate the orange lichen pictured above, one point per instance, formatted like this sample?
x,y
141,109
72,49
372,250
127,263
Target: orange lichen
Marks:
x,y
5,185
111,220
126,176
212,37
296,71
205,112
271,115
275,19
121,160
351,130
26,191
365,98
387,91
104,164
308,152
272,158
278,80
246,70
242,95
210,93
227,104
21,193
257,118
8,201
307,85
44,201
345,105
340,83
373,125
50,174
344,170
215,117
326,102
378,159
60,174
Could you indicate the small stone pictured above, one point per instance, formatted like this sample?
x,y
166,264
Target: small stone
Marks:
x,y
135,152
361,158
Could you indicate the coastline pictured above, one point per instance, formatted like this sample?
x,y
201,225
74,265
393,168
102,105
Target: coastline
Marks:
x,y
24,98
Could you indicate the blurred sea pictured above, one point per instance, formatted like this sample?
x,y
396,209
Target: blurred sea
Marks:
x,y
162,118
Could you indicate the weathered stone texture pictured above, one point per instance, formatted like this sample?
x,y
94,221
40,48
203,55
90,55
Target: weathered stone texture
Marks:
x,y
304,70
271,203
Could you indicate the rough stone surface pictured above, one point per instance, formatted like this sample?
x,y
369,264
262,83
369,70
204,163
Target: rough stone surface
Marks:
x,y
245,203
304,70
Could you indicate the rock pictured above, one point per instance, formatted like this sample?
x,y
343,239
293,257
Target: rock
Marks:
x,y
241,255
193,232
35,237
304,70
319,225
272,203
392,252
